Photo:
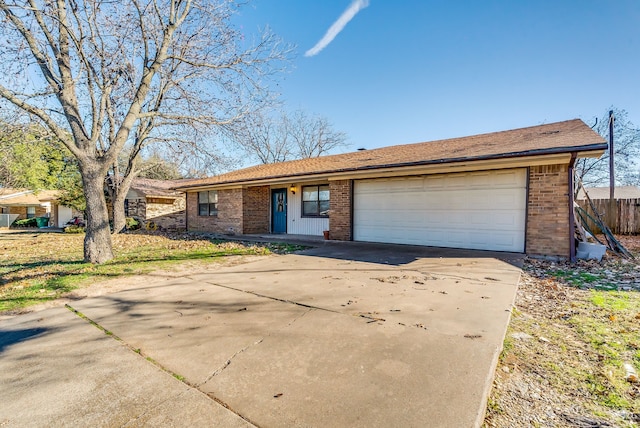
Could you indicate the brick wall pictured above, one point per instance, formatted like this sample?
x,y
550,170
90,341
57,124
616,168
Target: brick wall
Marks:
x,y
256,209
229,218
340,205
548,211
22,212
134,208
167,216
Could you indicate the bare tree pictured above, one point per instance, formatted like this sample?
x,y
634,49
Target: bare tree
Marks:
x,y
595,172
298,135
264,138
102,75
312,136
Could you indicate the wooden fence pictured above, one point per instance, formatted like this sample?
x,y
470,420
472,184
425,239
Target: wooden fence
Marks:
x,y
622,218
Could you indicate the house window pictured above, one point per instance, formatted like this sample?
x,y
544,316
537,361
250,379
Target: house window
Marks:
x,y
31,212
315,201
208,203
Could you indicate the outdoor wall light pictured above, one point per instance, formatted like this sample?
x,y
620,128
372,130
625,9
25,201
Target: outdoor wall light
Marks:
x,y
292,189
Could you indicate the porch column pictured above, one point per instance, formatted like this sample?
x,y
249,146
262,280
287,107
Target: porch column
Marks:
x,y
341,206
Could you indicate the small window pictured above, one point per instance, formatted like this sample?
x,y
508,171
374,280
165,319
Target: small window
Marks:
x,y
208,203
31,212
315,201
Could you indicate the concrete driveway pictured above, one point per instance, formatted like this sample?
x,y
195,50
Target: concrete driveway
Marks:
x,y
340,335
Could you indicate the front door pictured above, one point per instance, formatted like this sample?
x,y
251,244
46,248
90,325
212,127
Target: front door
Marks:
x,y
279,211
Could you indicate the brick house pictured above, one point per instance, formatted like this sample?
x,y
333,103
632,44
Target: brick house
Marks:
x,y
18,204
157,201
502,191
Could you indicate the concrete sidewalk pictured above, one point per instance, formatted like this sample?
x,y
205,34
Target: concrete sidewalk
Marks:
x,y
400,338
56,369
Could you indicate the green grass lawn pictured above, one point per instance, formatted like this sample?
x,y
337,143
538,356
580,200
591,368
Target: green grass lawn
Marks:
x,y
39,267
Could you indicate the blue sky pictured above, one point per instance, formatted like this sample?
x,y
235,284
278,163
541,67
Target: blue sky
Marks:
x,y
407,71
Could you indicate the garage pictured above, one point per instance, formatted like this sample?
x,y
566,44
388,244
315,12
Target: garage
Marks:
x,y
484,210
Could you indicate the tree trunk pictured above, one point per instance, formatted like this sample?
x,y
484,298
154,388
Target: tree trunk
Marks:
x,y
118,195
119,218
97,241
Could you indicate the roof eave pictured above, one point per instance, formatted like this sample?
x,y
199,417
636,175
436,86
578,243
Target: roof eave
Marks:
x,y
583,151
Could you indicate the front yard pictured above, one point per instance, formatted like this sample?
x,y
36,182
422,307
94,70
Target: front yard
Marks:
x,y
40,267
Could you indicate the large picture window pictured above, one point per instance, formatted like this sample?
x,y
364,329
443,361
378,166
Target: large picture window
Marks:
x,y
315,201
208,203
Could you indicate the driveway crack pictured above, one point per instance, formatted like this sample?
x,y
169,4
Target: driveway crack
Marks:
x,y
228,362
291,302
166,370
230,359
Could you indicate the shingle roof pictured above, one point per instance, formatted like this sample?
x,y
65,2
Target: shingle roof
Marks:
x,y
620,192
22,197
560,137
151,187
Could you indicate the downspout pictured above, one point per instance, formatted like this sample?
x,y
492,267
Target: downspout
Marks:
x,y
572,226
186,211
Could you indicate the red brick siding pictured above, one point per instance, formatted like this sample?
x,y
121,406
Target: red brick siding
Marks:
x,y
340,204
548,211
229,218
256,209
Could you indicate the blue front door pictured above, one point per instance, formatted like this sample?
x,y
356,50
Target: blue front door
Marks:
x,y
279,211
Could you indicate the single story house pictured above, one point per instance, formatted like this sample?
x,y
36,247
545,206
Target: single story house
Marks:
x,y
503,191
19,204
157,201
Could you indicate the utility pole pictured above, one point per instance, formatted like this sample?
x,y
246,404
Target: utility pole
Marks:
x,y
612,182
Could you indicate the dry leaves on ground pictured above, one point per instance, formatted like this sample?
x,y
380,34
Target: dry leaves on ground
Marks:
x,y
573,328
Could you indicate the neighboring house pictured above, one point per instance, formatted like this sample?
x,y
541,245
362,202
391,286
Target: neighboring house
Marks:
x,y
20,204
504,191
157,201
619,192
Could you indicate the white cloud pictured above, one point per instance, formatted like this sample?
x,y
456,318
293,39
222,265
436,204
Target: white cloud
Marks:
x,y
338,26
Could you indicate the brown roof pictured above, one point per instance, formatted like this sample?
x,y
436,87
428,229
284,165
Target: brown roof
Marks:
x,y
23,197
7,191
620,192
150,187
560,137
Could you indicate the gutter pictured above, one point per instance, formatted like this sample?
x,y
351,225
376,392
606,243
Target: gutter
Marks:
x,y
15,195
573,150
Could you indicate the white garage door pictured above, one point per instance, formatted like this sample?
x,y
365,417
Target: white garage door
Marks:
x,y
478,210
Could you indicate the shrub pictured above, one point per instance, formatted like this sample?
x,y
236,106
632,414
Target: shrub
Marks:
x,y
74,229
25,222
132,223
